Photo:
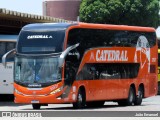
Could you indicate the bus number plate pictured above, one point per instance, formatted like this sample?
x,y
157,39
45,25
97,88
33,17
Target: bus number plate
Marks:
x,y
34,101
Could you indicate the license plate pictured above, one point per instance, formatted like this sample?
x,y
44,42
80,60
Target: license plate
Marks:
x,y
34,101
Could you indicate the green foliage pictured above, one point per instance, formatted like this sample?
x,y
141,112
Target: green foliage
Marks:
x,y
127,12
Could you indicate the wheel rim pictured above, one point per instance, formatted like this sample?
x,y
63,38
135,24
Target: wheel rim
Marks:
x,y
139,94
80,99
131,97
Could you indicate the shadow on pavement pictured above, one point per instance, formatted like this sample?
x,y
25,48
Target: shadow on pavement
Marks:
x,y
71,108
8,100
6,97
10,104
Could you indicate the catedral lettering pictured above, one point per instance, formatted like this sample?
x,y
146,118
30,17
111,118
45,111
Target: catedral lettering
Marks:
x,y
39,36
90,64
111,55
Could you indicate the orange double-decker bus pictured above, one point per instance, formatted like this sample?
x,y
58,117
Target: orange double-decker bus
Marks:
x,y
84,64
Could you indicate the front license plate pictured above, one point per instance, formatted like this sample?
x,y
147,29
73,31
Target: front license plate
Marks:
x,y
34,101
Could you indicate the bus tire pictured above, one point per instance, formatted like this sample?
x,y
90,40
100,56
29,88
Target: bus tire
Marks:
x,y
130,100
36,106
81,100
131,97
139,97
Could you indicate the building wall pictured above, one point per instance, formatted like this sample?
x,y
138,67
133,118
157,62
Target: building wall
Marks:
x,y
64,9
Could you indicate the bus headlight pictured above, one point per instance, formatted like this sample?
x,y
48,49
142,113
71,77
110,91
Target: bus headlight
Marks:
x,y
18,92
56,90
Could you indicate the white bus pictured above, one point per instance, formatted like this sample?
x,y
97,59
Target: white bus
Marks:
x,y
7,43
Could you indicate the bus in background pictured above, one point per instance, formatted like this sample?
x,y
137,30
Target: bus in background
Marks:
x,y
158,37
158,70
7,43
84,64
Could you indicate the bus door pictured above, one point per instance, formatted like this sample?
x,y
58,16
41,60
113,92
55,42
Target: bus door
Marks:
x,y
71,66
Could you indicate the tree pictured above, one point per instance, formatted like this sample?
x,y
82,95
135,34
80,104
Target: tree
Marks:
x,y
127,12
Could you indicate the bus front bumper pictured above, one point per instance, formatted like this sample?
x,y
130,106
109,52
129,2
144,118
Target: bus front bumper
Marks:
x,y
49,99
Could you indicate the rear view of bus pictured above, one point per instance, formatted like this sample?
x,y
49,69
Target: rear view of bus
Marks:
x,y
7,43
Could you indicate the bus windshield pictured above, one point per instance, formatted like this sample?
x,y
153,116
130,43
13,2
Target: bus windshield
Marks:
x,y
41,42
37,70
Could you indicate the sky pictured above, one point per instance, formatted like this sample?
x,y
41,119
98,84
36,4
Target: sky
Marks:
x,y
24,6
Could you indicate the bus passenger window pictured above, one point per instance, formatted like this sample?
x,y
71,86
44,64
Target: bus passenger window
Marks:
x,y
2,48
10,46
105,75
92,73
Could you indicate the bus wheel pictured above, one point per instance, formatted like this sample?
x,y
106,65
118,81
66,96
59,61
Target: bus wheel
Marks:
x,y
36,106
131,97
139,97
130,100
81,100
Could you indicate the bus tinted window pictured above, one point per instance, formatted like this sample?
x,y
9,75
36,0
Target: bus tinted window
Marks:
x,y
2,48
41,42
5,47
10,46
109,71
90,38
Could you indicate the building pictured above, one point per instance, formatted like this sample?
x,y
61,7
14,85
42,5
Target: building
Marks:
x,y
63,9
11,22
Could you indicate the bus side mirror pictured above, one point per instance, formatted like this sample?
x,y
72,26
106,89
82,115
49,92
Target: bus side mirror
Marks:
x,y
6,55
65,53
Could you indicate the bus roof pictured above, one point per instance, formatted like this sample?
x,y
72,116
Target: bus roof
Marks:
x,y
45,26
117,27
8,37
50,26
